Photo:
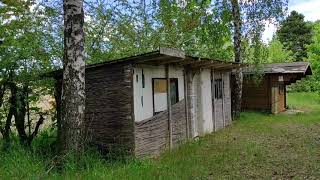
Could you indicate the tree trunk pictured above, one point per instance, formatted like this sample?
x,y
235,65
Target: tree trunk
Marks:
x,y
7,128
57,96
73,88
19,103
237,85
2,90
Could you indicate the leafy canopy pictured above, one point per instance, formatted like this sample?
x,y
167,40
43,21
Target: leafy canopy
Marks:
x,y
295,34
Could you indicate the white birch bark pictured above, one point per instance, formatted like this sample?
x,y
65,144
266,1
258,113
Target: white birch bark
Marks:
x,y
73,87
237,86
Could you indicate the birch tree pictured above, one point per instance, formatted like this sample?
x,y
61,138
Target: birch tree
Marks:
x,y
249,19
73,87
237,87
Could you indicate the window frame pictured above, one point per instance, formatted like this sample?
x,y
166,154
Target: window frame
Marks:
x,y
218,88
176,80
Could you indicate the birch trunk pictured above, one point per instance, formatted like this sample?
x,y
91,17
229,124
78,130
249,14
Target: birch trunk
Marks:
x,y
237,86
73,87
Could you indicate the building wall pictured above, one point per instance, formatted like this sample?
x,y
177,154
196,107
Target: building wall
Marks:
x,y
278,94
209,114
152,135
108,111
143,97
227,98
205,113
152,131
282,94
218,106
256,96
195,103
268,95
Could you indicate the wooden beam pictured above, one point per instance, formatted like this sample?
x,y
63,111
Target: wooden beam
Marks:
x,y
205,64
169,106
213,101
223,105
151,59
168,61
186,101
173,52
217,66
185,62
226,67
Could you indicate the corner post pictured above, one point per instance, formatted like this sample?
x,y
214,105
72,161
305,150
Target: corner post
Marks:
x,y
169,106
185,74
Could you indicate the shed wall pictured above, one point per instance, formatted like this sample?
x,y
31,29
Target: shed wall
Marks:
x,y
282,94
218,107
227,98
143,97
205,120
152,134
207,113
256,96
108,112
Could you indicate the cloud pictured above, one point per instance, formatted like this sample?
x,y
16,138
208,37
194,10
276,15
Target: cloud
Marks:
x,y
268,33
309,8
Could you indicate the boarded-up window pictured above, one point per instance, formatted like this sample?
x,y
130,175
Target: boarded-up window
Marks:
x,y
174,92
160,93
143,80
218,87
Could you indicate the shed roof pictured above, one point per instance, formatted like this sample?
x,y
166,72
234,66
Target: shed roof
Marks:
x,y
172,56
283,68
164,56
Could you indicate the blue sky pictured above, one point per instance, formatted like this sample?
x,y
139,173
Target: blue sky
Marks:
x,y
309,8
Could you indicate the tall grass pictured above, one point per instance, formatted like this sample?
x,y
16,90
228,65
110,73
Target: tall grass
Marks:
x,y
304,101
258,146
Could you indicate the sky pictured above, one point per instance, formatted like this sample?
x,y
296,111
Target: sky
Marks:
x,y
309,8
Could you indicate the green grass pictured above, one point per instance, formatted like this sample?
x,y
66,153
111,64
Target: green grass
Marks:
x,y
258,146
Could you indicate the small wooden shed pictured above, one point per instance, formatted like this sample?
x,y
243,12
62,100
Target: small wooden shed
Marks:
x,y
269,94
146,103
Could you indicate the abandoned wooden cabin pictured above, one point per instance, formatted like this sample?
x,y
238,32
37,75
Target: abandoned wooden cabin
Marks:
x,y
269,94
147,103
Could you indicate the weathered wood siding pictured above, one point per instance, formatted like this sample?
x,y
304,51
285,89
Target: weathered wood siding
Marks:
x,y
256,96
282,106
151,135
227,98
109,107
269,95
143,96
218,107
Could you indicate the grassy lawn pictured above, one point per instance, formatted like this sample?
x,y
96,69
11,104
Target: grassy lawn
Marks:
x,y
258,146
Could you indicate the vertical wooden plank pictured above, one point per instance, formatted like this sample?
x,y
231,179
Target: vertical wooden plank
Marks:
x,y
223,96
285,96
213,101
132,107
186,101
269,94
190,100
169,106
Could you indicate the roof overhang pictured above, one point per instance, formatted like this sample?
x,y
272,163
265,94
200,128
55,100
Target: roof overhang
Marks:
x,y
166,56
291,72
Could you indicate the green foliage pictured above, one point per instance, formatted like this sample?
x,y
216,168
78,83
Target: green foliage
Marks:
x,y
29,49
277,53
118,29
312,84
295,34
